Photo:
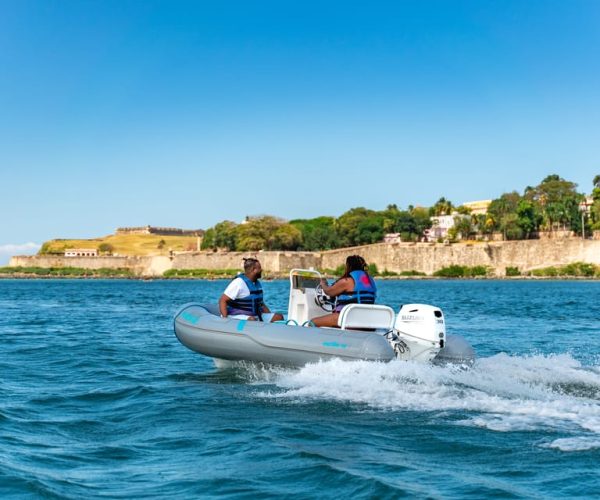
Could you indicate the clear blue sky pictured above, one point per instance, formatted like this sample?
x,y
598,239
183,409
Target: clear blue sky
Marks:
x,y
187,113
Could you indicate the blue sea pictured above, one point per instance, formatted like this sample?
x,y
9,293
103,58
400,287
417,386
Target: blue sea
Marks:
x,y
98,399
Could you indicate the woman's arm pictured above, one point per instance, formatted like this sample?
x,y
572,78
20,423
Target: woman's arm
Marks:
x,y
340,286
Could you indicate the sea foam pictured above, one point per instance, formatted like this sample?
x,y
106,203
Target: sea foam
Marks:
x,y
500,393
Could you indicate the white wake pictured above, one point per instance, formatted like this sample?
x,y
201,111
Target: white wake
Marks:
x,y
502,393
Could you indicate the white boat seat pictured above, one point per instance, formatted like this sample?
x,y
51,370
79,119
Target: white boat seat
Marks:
x,y
366,316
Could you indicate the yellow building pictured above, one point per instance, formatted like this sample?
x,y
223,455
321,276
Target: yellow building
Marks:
x,y
478,207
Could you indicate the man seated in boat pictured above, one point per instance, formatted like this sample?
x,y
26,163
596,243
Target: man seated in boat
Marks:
x,y
243,297
354,287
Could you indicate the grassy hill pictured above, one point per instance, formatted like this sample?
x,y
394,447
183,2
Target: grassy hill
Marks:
x,y
126,244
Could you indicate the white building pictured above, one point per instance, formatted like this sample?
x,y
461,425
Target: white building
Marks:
x,y
440,226
586,204
81,252
392,238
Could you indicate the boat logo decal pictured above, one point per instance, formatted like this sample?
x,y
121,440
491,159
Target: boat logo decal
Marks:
x,y
241,325
412,317
189,317
335,344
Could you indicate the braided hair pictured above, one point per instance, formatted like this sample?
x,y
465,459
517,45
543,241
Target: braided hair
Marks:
x,y
355,263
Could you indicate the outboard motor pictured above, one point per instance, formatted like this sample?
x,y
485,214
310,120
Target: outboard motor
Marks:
x,y
422,328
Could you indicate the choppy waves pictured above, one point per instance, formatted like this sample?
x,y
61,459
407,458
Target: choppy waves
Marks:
x,y
502,393
98,399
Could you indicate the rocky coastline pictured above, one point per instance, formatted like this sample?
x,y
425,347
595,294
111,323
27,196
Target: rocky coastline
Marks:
x,y
510,259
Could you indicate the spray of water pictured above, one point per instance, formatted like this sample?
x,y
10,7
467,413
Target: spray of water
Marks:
x,y
502,393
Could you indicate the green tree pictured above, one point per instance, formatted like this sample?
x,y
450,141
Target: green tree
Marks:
x,y
595,208
482,224
510,227
441,207
462,229
391,216
318,233
285,237
267,233
254,233
559,203
106,248
528,217
359,226
225,235
501,212
370,230
409,223
208,241
422,221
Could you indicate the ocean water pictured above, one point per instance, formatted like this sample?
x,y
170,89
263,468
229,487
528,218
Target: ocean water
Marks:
x,y
99,399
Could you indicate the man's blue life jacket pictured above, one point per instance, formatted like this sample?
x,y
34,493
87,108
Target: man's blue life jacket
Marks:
x,y
365,291
251,305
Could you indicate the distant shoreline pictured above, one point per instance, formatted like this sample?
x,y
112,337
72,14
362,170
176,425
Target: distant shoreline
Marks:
x,y
560,259
17,277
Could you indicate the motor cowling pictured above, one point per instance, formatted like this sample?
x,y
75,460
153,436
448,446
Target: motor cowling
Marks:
x,y
423,328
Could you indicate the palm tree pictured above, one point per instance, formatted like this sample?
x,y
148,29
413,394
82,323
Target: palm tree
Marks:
x,y
442,207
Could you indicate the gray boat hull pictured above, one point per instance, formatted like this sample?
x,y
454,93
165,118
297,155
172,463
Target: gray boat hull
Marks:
x,y
201,329
456,351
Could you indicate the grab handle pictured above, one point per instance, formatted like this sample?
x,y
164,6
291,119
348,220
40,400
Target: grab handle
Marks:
x,y
292,322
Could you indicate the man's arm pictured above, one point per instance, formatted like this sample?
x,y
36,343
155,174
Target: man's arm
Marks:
x,y
223,305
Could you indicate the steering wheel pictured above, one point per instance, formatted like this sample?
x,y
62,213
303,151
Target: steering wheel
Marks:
x,y
323,300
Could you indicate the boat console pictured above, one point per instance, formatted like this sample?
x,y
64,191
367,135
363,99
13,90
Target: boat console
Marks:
x,y
303,304
420,327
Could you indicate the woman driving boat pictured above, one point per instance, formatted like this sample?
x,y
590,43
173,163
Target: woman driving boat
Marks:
x,y
354,287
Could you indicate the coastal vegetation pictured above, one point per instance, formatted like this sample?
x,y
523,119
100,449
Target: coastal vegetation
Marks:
x,y
405,273
200,273
576,269
68,272
357,226
512,271
553,205
230,273
456,271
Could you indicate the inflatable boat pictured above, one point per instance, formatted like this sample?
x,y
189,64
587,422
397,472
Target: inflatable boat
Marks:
x,y
366,332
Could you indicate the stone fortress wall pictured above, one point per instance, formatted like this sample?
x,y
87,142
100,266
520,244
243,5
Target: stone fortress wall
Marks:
x,y
271,261
429,257
161,231
139,265
395,257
